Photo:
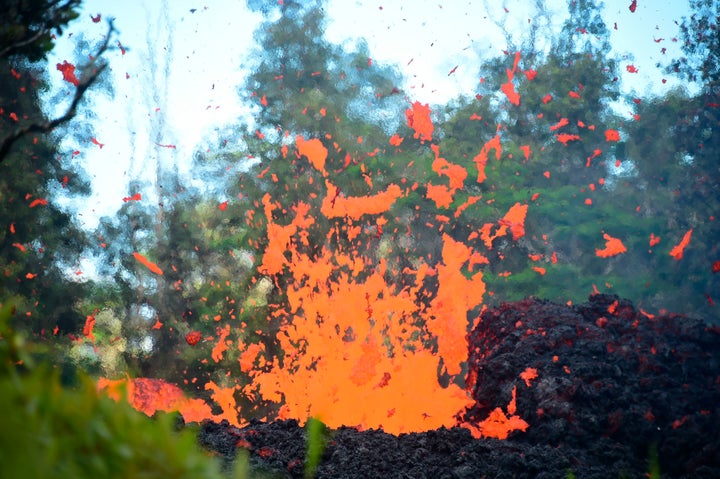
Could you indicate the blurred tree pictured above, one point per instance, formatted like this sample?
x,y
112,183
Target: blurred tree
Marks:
x,y
675,143
40,244
303,86
701,43
28,27
549,105
26,35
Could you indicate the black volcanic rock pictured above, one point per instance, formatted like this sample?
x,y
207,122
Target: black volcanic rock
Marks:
x,y
612,384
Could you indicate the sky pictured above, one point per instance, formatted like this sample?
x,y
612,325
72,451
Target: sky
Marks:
x,y
177,67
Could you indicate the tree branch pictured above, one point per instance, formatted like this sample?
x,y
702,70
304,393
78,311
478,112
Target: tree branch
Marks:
x,y
45,127
44,29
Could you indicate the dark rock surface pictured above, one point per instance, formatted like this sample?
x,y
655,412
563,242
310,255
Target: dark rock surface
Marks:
x,y
612,384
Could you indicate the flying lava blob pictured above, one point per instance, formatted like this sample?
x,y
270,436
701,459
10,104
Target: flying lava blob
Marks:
x,y
147,263
418,118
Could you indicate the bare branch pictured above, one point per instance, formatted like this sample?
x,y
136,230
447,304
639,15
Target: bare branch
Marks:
x,y
87,81
21,43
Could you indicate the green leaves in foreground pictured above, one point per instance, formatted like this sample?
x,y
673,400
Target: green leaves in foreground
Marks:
x,y
315,445
47,430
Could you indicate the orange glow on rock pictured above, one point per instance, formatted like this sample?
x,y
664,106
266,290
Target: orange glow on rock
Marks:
x,y
152,395
225,398
528,375
498,424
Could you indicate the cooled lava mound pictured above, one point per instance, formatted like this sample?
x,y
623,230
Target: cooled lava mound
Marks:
x,y
602,386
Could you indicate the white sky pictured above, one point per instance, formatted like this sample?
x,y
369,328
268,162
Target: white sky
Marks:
x,y
206,52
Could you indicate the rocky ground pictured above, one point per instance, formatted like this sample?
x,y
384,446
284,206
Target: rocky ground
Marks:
x,y
613,388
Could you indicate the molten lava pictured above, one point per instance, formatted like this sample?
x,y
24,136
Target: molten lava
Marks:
x,y
356,349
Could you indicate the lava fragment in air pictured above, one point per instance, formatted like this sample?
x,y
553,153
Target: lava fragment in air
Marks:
x,y
677,251
68,72
147,263
38,202
564,138
559,124
612,135
613,247
88,327
135,197
315,152
354,207
418,118
481,158
193,337
509,88
654,240
396,140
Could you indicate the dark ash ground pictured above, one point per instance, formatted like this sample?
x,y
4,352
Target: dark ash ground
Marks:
x,y
612,385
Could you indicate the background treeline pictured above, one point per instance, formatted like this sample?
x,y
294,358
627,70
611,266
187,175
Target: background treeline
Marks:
x,y
658,178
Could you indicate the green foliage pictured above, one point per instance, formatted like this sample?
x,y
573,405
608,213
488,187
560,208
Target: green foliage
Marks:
x,y
701,43
48,430
315,431
653,463
39,240
28,27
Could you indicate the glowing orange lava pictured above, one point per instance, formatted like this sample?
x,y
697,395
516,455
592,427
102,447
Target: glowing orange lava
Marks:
x,y
613,247
147,263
